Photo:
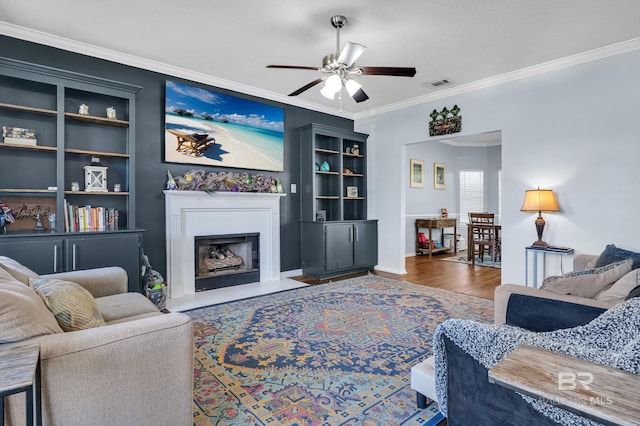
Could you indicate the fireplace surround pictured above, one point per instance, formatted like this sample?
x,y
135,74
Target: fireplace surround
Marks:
x,y
196,213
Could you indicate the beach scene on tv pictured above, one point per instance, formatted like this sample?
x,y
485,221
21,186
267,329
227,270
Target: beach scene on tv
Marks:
x,y
213,129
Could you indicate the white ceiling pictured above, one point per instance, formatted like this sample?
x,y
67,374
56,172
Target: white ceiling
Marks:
x,y
229,43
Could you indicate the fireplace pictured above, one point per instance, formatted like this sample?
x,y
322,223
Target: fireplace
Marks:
x,y
192,213
226,260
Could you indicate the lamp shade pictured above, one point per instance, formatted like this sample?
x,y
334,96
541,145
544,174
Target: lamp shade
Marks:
x,y
540,200
333,83
352,87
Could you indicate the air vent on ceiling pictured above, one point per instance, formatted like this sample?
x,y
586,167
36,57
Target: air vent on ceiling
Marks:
x,y
439,83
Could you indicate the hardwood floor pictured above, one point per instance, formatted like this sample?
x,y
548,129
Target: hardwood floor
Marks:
x,y
478,281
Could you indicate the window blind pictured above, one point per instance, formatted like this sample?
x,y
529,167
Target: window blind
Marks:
x,y
471,193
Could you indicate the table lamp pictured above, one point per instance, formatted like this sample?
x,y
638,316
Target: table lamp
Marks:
x,y
539,200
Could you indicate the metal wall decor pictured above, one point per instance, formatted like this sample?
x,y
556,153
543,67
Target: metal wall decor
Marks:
x,y
445,122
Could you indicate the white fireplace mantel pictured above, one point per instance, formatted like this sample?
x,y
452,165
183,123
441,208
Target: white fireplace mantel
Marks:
x,y
195,213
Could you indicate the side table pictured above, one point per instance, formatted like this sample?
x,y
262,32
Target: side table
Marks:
x,y
604,394
20,372
563,251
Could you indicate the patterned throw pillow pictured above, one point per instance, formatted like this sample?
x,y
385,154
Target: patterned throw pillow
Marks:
x,y
72,305
588,283
612,254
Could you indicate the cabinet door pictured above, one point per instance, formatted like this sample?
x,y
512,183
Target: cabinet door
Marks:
x,y
42,255
97,251
338,246
365,248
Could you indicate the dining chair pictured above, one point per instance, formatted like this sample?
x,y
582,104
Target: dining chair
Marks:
x,y
485,236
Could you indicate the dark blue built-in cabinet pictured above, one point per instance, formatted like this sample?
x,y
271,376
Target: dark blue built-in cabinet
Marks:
x,y
37,177
337,237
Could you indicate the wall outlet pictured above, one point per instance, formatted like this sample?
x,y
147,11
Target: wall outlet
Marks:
x,y
293,188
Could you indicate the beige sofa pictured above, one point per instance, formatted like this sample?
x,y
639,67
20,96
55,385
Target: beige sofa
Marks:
x,y
135,369
504,291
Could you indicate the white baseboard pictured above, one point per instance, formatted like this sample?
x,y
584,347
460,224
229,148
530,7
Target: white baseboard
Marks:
x,y
390,270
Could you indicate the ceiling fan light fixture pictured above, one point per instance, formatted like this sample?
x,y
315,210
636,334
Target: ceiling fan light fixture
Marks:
x,y
333,83
352,86
327,93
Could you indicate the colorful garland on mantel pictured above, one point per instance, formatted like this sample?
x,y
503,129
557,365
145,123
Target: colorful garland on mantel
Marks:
x,y
198,180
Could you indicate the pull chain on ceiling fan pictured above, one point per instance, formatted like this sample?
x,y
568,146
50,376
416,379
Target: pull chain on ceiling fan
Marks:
x,y
341,66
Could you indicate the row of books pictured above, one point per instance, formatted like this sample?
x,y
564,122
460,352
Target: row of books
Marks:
x,y
88,218
18,135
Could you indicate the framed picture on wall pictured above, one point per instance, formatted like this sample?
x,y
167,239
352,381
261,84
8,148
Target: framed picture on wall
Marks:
x,y
209,128
439,176
416,173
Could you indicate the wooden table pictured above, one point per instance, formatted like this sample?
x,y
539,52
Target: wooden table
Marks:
x,y
604,394
432,223
20,372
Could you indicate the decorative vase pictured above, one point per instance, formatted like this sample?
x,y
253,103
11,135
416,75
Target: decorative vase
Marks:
x,y
325,167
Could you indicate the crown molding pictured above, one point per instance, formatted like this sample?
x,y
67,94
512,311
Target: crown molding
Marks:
x,y
47,39
557,64
70,45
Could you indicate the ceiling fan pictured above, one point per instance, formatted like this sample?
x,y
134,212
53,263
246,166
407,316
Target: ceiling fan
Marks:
x,y
340,67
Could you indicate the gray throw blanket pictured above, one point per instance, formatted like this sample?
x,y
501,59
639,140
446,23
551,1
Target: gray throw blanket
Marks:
x,y
612,339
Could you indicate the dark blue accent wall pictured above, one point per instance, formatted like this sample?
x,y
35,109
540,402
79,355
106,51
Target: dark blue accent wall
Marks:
x,y
150,168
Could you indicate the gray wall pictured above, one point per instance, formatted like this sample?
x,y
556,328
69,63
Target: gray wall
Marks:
x,y
150,168
574,130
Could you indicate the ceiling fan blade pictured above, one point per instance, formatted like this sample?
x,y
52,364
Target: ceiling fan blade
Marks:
x,y
294,67
350,53
360,96
305,87
393,71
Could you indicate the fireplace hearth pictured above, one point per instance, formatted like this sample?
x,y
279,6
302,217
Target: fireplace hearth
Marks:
x,y
226,260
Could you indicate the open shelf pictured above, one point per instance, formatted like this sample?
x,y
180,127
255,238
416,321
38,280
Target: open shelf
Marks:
x,y
27,191
100,153
327,151
28,109
97,120
31,147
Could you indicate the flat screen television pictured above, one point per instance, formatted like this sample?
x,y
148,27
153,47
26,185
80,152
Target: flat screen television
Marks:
x,y
208,128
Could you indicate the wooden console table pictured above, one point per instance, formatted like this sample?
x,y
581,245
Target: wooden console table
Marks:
x,y
430,224
604,394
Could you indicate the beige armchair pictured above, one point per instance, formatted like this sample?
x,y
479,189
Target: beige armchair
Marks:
x,y
135,370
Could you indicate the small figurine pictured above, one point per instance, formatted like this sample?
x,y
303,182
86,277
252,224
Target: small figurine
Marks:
x,y
39,226
83,110
171,182
111,113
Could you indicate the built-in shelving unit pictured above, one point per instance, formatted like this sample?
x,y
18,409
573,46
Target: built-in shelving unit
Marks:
x,y
326,190
37,179
336,234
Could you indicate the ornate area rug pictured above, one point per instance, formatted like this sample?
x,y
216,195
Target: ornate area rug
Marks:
x,y
331,354
463,259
